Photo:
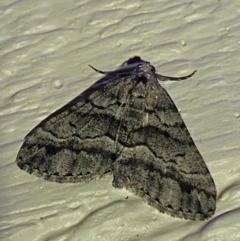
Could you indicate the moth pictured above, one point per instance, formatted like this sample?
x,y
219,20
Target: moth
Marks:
x,y
128,127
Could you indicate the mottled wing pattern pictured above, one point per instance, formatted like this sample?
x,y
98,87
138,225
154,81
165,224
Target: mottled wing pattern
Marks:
x,y
161,162
129,127
78,143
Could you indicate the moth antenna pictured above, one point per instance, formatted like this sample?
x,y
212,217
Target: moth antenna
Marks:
x,y
120,73
166,78
99,71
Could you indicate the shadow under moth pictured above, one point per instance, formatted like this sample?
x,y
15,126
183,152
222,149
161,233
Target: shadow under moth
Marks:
x,y
128,127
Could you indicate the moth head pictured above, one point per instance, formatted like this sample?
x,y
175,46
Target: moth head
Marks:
x,y
145,72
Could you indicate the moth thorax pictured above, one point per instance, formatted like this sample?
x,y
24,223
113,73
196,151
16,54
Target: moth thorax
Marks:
x,y
139,90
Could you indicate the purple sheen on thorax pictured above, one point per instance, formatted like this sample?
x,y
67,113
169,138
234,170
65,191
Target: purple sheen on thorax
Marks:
x,y
143,77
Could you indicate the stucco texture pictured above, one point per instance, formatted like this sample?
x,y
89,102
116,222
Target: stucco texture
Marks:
x,y
45,49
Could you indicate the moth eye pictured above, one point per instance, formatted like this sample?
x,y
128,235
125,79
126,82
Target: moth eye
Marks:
x,y
152,68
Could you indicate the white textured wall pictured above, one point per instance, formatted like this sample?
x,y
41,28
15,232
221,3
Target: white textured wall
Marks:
x,y
45,49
